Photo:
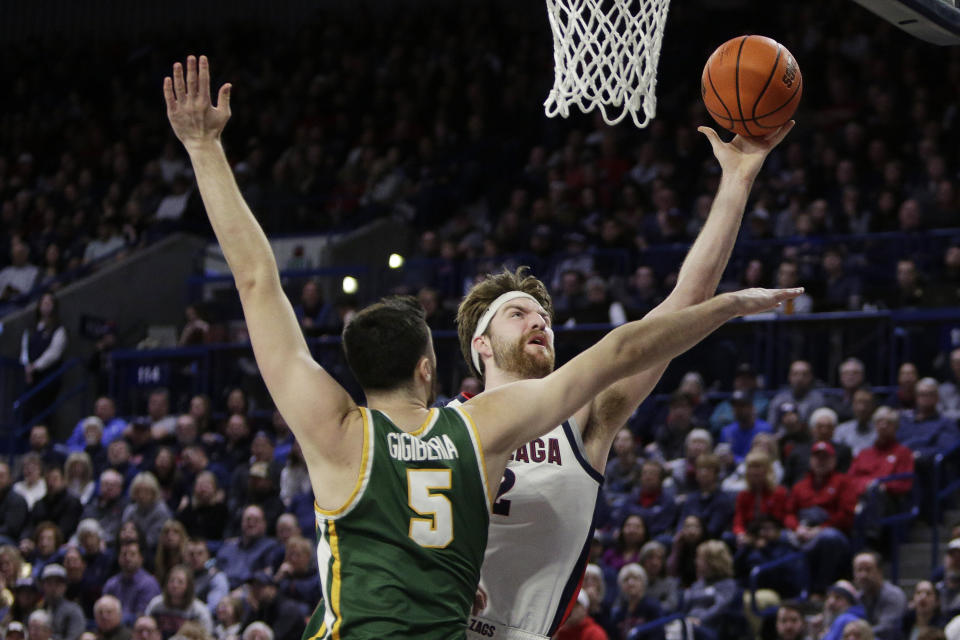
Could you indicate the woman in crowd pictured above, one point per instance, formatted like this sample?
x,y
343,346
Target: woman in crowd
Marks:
x,y
164,469
683,557
171,549
79,475
200,412
177,604
229,619
634,606
41,353
765,442
662,588
130,531
297,577
147,508
33,486
47,539
98,559
762,496
630,539
924,612
713,600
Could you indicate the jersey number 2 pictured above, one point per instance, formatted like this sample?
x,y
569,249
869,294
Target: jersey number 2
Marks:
x,y
436,530
501,506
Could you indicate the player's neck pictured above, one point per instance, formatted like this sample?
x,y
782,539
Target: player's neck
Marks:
x,y
495,377
406,410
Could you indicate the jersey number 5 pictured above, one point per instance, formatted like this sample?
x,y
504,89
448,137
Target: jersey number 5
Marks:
x,y
436,530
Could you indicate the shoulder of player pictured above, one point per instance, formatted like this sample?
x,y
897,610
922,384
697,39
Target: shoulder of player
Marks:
x,y
495,402
326,443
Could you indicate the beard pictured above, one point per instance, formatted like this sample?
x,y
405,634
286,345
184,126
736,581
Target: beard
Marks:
x,y
513,358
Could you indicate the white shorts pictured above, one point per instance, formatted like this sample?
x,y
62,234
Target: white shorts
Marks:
x,y
484,629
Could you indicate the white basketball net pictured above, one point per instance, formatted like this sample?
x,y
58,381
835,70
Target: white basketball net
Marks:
x,y
605,55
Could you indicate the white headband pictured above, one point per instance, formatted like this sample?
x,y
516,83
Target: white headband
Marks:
x,y
488,316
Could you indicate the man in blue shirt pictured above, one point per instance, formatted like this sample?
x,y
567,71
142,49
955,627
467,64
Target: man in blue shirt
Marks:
x,y
923,430
740,433
240,557
926,432
106,411
134,587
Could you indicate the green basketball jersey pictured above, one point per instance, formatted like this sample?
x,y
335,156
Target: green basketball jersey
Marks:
x,y
401,559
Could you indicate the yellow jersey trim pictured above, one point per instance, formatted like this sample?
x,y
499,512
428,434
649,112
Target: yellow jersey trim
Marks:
x,y
335,587
479,446
429,422
365,461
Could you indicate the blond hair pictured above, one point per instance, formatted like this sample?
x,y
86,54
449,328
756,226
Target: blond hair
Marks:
x,y
295,542
146,480
759,456
482,294
863,629
86,466
717,559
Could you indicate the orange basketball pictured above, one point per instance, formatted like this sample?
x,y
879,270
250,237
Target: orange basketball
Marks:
x,y
751,85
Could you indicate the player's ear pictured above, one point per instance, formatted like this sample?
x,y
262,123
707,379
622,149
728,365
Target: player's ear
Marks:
x,y
425,368
483,346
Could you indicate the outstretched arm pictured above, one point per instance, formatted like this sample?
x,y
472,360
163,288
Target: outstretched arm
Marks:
x,y
514,414
311,401
741,160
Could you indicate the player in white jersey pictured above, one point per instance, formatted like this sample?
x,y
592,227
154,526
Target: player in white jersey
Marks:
x,y
541,525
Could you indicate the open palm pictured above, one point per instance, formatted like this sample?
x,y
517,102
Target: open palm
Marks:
x,y
193,118
743,152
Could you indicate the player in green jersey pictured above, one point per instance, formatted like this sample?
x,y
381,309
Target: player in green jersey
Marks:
x,y
402,490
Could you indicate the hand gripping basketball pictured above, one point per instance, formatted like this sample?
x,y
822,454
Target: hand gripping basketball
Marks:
x,y
751,85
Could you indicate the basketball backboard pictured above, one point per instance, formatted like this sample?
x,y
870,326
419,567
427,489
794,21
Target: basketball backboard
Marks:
x,y
936,21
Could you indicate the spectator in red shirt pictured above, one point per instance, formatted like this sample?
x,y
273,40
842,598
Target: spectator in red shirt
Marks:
x,y
762,495
580,626
885,457
820,509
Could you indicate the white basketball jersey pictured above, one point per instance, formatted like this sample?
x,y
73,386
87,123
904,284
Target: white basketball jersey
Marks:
x,y
539,537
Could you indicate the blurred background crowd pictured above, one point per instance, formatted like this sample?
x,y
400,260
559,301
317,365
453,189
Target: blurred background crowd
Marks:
x,y
191,514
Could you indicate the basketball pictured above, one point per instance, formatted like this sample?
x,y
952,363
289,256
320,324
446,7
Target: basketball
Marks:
x,y
751,85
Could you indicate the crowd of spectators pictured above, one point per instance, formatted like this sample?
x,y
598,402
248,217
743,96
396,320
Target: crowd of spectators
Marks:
x,y
702,493
203,516
159,520
449,136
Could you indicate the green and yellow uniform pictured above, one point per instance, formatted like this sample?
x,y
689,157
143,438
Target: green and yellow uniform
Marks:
x,y
401,559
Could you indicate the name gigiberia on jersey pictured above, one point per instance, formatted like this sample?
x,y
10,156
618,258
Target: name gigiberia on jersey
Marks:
x,y
408,448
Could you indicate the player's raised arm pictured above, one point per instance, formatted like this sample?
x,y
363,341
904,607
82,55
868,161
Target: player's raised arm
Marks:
x,y
514,414
311,401
740,160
